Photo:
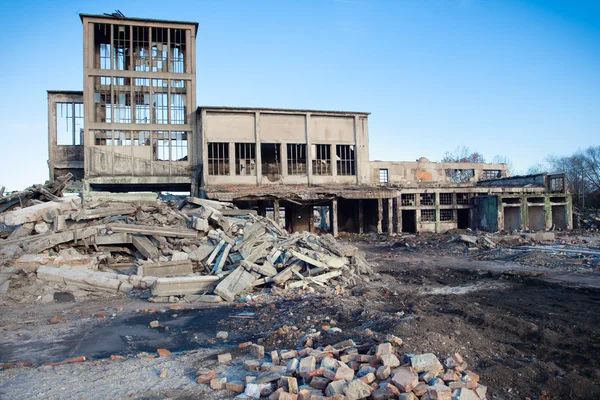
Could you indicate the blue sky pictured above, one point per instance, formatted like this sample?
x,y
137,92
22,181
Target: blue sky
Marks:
x,y
519,79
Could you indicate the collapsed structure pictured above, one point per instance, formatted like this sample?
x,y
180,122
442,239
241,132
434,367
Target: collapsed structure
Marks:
x,y
135,127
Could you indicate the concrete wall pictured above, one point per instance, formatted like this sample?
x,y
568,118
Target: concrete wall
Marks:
x,y
425,171
276,126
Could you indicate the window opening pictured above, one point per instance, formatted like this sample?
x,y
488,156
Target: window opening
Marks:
x,y
296,159
122,107
245,159
141,48
462,199
102,99
160,101
427,215
345,159
121,40
103,54
408,199
383,176
270,159
321,162
427,199
178,100
447,215
141,138
103,138
161,146
142,100
179,146
446,199
178,51
69,124
490,174
160,49
218,158
460,175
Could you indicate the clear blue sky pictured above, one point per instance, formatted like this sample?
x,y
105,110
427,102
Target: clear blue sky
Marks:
x,y
514,78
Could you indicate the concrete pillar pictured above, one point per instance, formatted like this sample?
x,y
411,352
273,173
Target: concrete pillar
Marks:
x,y
283,159
232,159
524,212
390,203
379,215
361,218
309,171
334,217
334,171
276,210
436,201
398,215
548,213
311,220
257,141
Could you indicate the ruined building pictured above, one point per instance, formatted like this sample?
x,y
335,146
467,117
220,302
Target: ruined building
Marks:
x,y
136,127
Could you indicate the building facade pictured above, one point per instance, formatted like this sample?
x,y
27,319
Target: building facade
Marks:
x,y
135,127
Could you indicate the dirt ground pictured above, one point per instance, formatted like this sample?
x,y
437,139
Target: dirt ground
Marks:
x,y
529,326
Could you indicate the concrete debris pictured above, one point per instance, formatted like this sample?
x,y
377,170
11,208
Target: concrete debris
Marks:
x,y
349,371
190,250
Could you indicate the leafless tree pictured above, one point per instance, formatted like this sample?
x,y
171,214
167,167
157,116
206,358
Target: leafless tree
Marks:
x,y
583,172
462,154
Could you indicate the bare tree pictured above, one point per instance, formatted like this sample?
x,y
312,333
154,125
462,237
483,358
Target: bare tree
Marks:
x,y
498,159
462,154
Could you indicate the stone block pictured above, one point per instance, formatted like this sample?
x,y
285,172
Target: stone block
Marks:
x,y
405,380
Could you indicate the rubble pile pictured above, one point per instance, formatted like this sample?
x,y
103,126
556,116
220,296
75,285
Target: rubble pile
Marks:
x,y
184,251
346,370
588,219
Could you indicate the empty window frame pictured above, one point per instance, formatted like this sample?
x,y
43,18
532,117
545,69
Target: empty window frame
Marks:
x,y
141,48
122,138
103,137
296,159
121,113
102,48
427,215
141,93
490,174
408,199
270,156
122,45
160,146
345,159
447,215
179,146
141,138
177,53
557,185
446,199
427,199
160,101
160,49
462,199
460,175
245,159
69,124
102,99
218,158
178,100
383,176
321,164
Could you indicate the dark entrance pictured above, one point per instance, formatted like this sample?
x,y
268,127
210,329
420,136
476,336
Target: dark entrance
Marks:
x,y
462,218
409,221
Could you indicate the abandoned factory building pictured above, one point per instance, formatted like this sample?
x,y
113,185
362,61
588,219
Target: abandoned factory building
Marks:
x,y
136,127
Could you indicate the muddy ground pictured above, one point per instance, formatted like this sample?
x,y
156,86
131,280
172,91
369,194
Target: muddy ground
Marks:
x,y
529,331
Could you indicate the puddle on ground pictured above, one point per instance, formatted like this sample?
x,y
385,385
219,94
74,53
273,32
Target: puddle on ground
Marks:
x,y
124,335
464,289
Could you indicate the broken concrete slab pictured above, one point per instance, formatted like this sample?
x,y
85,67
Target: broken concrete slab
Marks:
x,y
153,230
184,285
36,212
145,246
166,269
234,283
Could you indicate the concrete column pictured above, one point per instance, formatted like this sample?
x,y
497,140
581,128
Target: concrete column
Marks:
x,y
333,160
436,201
204,153
334,217
524,212
548,211
309,172
357,168
398,215
379,215
311,221
231,159
361,219
257,141
283,157
390,203
276,210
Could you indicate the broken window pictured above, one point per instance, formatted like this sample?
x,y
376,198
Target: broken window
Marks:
x,y
245,159
557,185
103,138
160,101
383,176
178,51
345,159
270,154
447,215
122,44
321,163
102,99
178,100
142,100
102,50
122,105
296,159
69,124
408,199
446,199
160,146
462,199
427,215
122,138
218,158
141,48
460,175
141,138
160,49
490,174
427,199
179,146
